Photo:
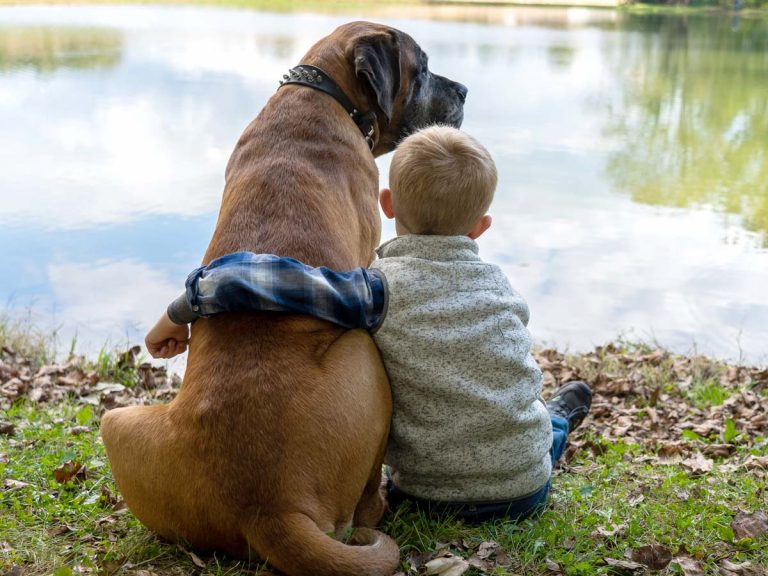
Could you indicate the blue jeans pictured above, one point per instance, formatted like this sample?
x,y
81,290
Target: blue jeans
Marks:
x,y
512,510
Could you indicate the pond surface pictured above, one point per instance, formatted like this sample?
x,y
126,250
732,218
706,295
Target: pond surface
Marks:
x,y
632,150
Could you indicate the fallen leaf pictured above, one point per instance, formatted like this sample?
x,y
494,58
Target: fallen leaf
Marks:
x,y
616,530
107,387
11,484
635,500
655,556
728,568
481,564
749,525
115,502
718,449
502,558
59,530
697,464
624,565
439,565
553,567
417,559
68,471
196,559
689,566
6,428
111,566
753,462
456,570
486,549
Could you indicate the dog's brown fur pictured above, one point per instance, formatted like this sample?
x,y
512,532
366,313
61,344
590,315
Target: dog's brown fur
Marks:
x,y
277,435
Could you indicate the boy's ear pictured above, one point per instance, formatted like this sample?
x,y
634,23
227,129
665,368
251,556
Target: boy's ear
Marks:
x,y
480,226
385,199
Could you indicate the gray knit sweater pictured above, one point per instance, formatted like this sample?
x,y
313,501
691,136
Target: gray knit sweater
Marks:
x,y
468,422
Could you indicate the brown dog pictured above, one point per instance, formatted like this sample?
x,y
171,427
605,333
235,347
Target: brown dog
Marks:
x,y
275,442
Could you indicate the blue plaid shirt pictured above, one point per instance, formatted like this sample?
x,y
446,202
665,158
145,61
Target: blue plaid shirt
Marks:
x,y
248,282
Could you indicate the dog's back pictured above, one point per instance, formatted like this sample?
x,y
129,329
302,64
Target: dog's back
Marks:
x,y
275,441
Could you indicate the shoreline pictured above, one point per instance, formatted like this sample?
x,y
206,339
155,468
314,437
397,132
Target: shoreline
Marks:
x,y
423,8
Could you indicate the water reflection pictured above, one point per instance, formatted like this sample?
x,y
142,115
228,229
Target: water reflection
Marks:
x,y
111,176
693,116
48,49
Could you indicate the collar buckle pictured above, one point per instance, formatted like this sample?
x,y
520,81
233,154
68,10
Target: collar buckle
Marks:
x,y
314,77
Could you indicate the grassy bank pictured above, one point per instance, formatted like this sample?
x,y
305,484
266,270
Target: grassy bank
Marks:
x,y
669,473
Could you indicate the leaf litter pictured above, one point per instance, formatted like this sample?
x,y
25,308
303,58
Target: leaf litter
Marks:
x,y
630,404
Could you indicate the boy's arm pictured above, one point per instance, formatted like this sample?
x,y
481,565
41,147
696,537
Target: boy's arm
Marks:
x,y
247,282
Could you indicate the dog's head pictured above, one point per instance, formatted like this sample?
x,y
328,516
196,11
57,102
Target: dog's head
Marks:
x,y
385,70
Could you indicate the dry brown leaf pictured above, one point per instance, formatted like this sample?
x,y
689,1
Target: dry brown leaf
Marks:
x,y
746,525
655,556
11,484
697,464
481,564
196,559
635,500
625,566
502,558
553,567
68,471
753,462
722,450
689,566
728,568
59,530
417,559
615,530
456,570
440,565
486,549
7,429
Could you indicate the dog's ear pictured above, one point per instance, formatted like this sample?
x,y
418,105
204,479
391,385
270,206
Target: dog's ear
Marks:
x,y
377,61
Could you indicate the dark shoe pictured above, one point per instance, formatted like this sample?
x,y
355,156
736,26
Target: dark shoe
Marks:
x,y
571,401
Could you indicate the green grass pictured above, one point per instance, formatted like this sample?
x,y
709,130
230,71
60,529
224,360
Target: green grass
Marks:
x,y
613,496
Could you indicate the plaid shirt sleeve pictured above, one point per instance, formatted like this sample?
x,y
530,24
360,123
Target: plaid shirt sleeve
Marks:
x,y
244,281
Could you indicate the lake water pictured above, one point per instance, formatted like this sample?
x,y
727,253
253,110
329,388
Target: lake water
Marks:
x,y
632,150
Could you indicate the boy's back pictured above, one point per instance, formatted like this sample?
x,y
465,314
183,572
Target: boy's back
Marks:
x,y
468,423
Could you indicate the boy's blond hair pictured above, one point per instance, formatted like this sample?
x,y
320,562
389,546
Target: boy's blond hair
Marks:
x,y
442,181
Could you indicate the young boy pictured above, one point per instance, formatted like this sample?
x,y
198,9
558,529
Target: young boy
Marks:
x,y
470,436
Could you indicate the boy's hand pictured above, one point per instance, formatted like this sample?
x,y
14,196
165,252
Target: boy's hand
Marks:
x,y
166,339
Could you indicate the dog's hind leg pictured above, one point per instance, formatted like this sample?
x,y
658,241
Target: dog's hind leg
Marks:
x,y
373,503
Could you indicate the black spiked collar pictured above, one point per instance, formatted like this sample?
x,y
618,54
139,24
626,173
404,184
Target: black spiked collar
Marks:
x,y
314,77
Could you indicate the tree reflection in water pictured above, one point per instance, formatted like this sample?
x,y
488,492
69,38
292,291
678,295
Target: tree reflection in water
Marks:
x,y
694,116
48,49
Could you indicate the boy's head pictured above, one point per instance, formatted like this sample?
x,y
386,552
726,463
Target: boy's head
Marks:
x,y
442,182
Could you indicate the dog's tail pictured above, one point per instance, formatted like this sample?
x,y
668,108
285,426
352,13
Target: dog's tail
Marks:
x,y
294,544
